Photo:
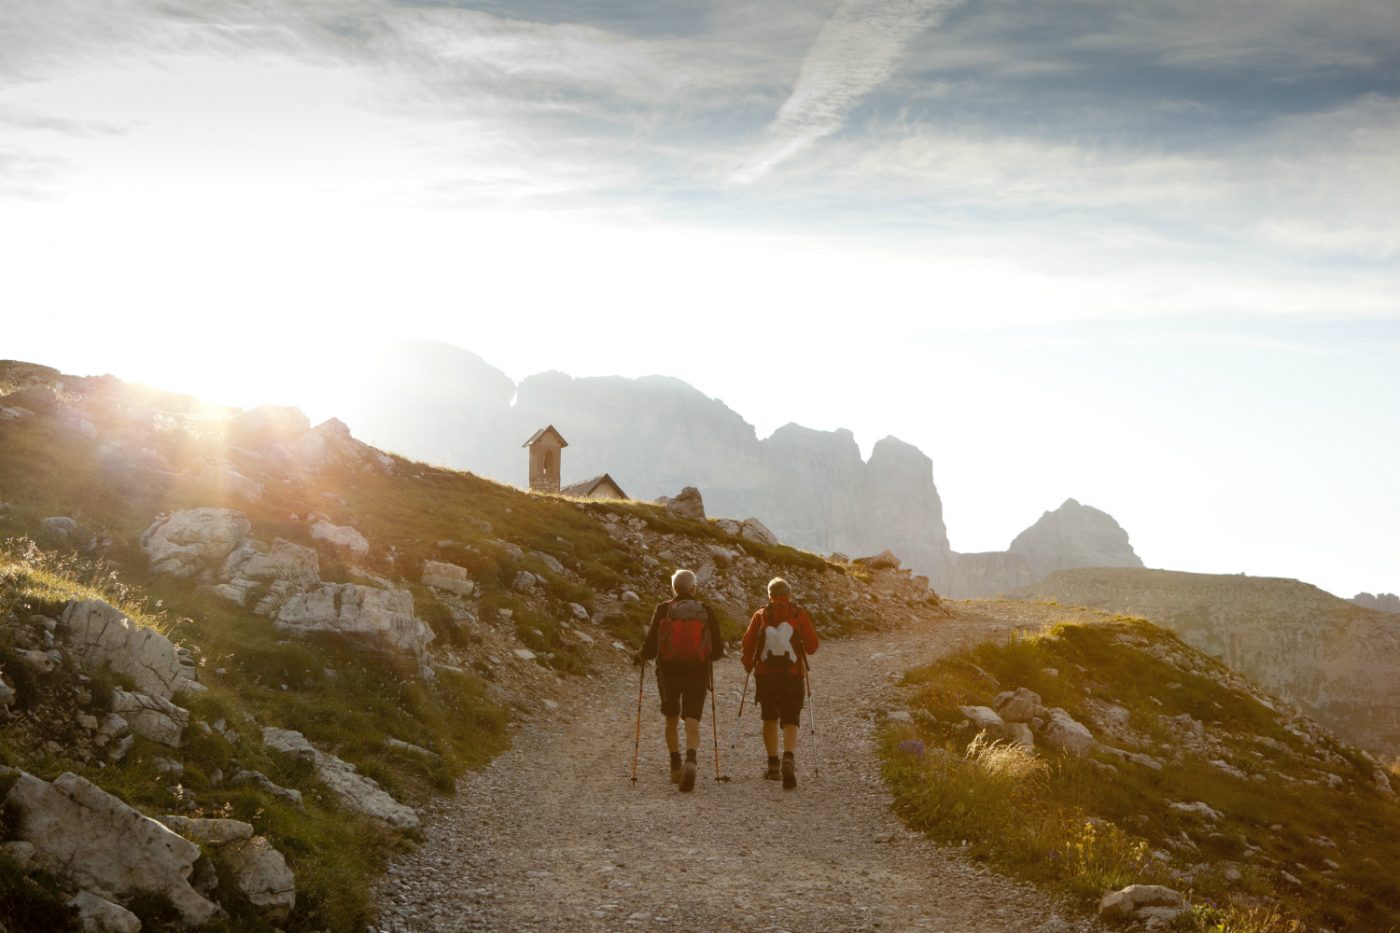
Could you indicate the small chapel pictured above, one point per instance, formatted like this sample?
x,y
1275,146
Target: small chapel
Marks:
x,y
546,449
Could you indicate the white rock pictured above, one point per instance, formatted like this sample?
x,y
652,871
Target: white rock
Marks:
x,y
983,717
341,537
60,526
185,543
92,840
99,635
549,560
1128,903
899,715
450,577
579,612
526,582
261,874
1064,733
1020,734
630,597
99,915
1019,705
379,619
19,852
524,654
357,792
230,482
1198,808
151,717
208,832
285,562
688,503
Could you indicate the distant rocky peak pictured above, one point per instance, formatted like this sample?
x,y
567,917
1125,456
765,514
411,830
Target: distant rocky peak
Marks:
x,y
1075,535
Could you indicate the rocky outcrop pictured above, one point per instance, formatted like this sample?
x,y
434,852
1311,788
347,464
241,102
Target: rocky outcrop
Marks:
x,y
1333,659
99,635
90,839
354,790
151,717
1382,602
1143,903
331,445
449,577
258,870
341,537
750,529
278,572
98,915
1071,536
685,504
193,542
377,619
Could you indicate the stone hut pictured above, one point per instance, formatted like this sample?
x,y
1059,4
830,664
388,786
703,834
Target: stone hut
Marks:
x,y
599,487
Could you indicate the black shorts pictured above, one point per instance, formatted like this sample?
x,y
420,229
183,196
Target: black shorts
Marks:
x,y
682,694
780,697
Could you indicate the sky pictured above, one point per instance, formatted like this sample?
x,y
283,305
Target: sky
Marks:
x,y
1141,254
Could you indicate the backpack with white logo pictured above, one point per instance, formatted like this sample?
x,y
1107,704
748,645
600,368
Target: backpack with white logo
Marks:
x,y
684,632
775,639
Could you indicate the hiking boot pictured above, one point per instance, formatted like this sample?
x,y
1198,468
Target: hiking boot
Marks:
x,y
676,769
789,774
688,777
771,772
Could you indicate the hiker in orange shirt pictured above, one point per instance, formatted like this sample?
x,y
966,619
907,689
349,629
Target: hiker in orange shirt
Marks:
x,y
776,645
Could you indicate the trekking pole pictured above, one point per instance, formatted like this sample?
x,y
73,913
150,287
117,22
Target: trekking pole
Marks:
x,y
740,718
714,725
637,746
812,714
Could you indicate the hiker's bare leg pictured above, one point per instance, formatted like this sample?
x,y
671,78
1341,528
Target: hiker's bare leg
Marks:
x,y
770,737
789,740
692,734
673,738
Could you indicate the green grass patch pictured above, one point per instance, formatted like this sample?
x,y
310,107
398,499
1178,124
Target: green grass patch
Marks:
x,y
1085,826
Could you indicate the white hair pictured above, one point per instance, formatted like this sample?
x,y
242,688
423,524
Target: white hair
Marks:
x,y
779,587
683,582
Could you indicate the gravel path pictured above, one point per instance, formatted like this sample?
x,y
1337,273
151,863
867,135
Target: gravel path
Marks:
x,y
553,835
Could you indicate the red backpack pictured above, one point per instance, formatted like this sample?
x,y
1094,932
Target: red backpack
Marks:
x,y
684,633
772,650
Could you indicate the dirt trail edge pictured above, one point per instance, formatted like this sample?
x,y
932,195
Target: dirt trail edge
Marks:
x,y
554,836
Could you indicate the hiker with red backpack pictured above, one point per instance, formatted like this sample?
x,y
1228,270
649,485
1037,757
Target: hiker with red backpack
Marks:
x,y
776,645
685,640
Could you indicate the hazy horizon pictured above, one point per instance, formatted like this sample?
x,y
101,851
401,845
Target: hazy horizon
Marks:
x,y
1142,256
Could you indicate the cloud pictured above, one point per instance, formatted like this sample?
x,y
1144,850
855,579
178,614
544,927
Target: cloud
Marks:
x,y
856,52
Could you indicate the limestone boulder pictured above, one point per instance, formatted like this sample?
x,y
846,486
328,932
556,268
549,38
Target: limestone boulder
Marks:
x,y
885,560
1143,902
284,561
151,717
688,503
100,635
1063,733
98,915
355,791
95,842
261,874
341,537
229,483
449,577
208,832
1019,705
330,445
983,717
192,542
378,619
750,529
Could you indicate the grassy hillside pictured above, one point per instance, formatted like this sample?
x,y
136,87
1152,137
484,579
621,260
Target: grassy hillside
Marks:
x,y
1334,659
112,457
1295,831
